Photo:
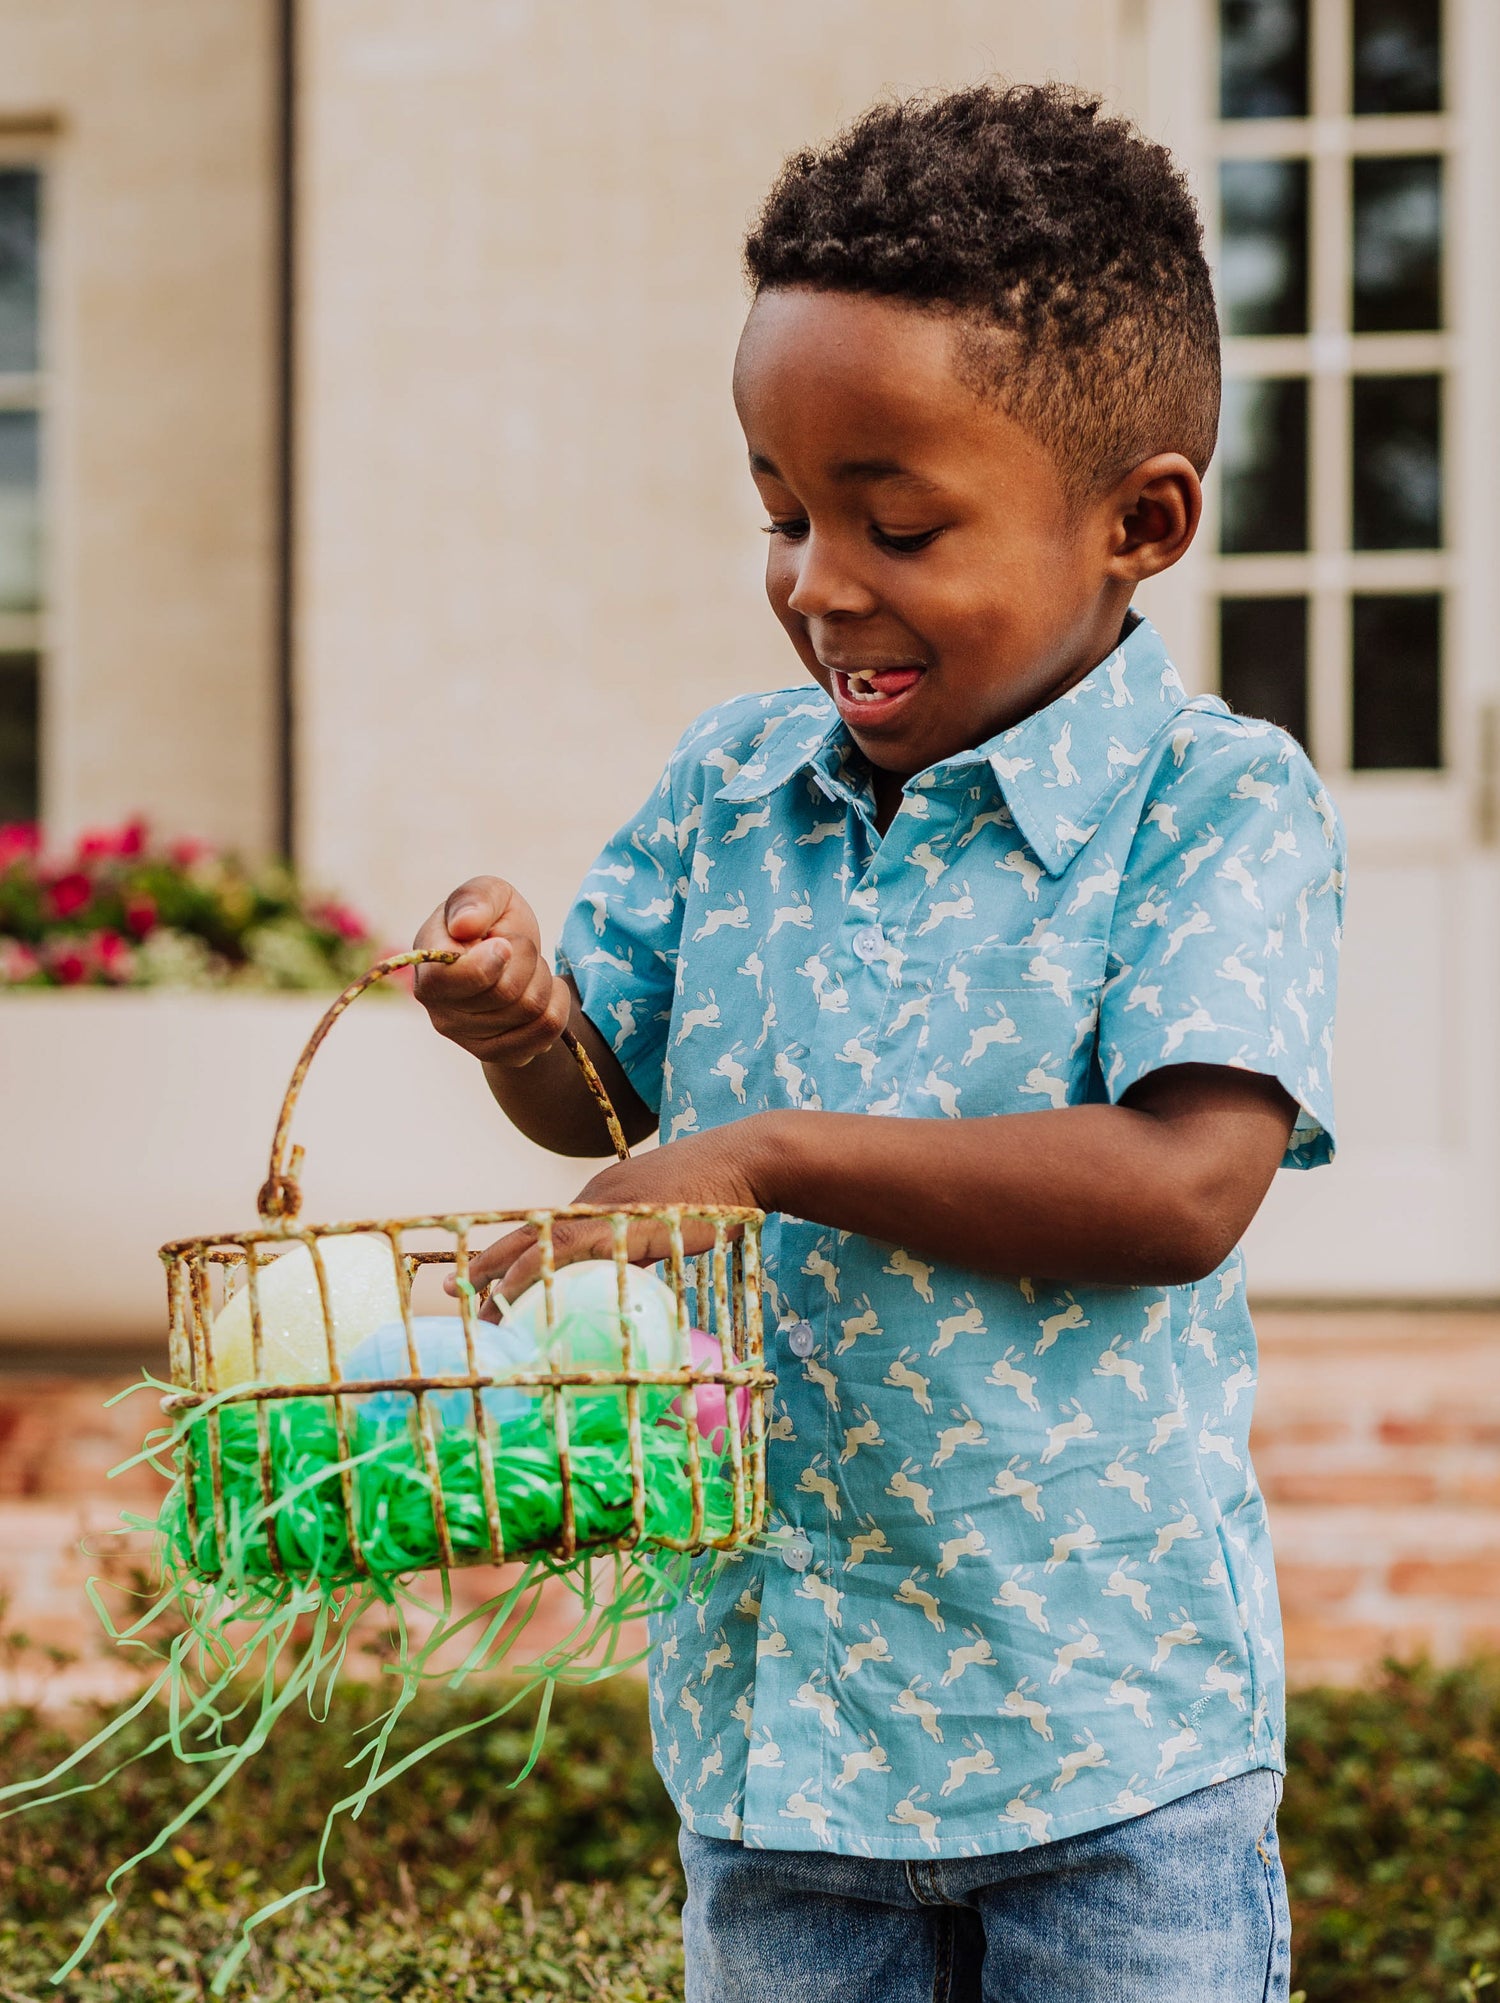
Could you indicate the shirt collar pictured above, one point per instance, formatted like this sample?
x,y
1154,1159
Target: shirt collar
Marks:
x,y
1059,770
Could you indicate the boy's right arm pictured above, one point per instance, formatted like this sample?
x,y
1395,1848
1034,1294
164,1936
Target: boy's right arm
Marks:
x,y
506,1006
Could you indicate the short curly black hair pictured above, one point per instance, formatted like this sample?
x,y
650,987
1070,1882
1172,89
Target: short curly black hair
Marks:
x,y
1068,245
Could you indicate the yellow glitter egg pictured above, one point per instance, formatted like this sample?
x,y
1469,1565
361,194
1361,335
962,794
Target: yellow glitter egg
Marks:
x,y
362,1296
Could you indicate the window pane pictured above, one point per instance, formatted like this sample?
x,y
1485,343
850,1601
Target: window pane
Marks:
x,y
1262,58
1397,682
18,269
1398,224
1398,470
18,737
1263,247
1398,55
20,530
1263,659
1263,447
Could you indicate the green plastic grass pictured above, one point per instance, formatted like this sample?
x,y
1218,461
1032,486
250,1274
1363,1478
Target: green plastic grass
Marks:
x,y
393,1491
242,1642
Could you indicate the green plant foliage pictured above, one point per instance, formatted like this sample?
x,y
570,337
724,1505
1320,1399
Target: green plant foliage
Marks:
x,y
616,1943
454,1886
122,909
592,1808
1391,1835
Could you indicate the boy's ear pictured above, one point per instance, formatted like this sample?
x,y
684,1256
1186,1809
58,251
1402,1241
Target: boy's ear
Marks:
x,y
1154,511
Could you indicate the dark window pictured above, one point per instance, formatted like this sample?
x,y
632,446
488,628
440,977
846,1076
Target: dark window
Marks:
x,y
1398,56
1398,466
20,518
19,760
1398,234
1263,452
1398,722
1263,246
18,269
1263,659
1262,58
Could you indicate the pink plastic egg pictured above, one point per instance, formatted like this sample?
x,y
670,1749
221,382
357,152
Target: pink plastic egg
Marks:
x,y
705,1354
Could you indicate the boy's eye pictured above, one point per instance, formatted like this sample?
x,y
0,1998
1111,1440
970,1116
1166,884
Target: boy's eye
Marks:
x,y
794,528
906,545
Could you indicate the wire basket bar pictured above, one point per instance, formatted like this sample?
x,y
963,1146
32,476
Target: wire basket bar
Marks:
x,y
715,1290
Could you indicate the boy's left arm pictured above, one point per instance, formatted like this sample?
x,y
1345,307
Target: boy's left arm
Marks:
x,y
1217,1080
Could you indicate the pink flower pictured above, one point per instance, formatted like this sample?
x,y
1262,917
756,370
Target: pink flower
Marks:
x,y
186,851
123,842
17,962
140,914
68,966
339,918
18,839
68,894
112,957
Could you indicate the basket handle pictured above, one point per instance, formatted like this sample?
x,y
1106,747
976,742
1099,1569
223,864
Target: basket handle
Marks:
x,y
280,1197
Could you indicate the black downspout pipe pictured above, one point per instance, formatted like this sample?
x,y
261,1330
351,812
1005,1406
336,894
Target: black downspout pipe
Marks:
x,y
285,421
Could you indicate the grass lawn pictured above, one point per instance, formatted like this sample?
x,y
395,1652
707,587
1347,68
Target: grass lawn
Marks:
x,y
453,1887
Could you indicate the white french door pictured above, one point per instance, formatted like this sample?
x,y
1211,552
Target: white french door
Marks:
x,y
1347,586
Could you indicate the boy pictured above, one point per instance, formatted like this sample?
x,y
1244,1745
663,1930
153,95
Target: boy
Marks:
x,y
1000,1713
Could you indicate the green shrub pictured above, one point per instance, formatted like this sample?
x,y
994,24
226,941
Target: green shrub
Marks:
x,y
1391,1835
454,1886
617,1943
592,1808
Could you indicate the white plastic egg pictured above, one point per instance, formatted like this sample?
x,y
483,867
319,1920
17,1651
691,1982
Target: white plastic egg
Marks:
x,y
588,1295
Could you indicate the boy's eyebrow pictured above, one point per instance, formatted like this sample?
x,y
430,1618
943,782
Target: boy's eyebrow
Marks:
x,y
878,469
852,469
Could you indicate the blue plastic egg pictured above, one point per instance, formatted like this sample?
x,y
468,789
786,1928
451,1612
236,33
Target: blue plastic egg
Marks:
x,y
441,1353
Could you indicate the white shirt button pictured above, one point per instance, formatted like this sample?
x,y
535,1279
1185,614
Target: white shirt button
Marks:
x,y
868,943
801,1338
797,1551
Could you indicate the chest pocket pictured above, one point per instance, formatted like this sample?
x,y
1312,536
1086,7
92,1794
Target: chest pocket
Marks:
x,y
1012,1029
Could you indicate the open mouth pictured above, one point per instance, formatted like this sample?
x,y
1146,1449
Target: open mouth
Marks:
x,y
873,692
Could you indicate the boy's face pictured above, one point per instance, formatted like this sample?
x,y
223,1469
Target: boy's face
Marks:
x,y
926,561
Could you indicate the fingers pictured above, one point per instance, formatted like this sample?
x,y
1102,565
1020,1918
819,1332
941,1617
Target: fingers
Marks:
x,y
514,1262
501,1001
477,905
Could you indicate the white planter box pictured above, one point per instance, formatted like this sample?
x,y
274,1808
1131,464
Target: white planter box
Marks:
x,y
130,1118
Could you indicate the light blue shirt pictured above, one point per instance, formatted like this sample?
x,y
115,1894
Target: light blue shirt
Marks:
x,y
1022,1584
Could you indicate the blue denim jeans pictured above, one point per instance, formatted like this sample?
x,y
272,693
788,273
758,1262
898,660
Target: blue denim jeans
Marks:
x,y
1186,1904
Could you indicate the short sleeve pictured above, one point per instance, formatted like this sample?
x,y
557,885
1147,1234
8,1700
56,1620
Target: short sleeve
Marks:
x,y
1226,937
620,940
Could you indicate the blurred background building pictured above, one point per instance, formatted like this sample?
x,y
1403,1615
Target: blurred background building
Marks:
x,y
370,489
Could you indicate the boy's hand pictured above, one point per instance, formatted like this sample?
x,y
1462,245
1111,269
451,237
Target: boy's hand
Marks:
x,y
501,1002
730,1164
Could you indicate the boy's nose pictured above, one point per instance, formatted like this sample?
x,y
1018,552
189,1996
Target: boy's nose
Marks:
x,y
825,587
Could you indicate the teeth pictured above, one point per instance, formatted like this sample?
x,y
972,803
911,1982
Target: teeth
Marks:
x,y
861,687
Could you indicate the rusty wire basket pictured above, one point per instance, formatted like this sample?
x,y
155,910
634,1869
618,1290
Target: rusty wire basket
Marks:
x,y
717,1291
